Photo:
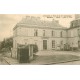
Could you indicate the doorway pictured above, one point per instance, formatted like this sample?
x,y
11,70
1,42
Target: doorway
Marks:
x,y
44,44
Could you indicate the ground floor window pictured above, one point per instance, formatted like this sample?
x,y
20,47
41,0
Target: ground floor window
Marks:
x,y
78,44
61,42
61,45
53,43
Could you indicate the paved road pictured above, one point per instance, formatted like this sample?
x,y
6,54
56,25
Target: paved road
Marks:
x,y
52,52
52,57
62,52
44,57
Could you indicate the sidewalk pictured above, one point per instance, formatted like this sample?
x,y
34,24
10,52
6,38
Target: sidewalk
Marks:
x,y
11,61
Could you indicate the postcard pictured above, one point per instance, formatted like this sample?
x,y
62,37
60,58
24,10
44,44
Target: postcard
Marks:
x,y
39,39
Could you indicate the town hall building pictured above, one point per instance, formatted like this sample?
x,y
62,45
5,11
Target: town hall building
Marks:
x,y
47,35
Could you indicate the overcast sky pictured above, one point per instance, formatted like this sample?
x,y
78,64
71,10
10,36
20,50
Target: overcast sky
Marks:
x,y
8,21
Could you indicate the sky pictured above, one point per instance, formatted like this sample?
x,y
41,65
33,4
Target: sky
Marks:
x,y
8,21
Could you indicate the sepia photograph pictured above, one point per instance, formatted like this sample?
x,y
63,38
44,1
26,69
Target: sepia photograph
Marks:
x,y
39,39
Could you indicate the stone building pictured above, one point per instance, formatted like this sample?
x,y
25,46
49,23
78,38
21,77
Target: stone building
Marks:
x,y
47,35
74,34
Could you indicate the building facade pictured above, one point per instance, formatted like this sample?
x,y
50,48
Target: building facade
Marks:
x,y
47,35
74,34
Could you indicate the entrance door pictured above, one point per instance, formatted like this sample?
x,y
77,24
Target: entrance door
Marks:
x,y
44,44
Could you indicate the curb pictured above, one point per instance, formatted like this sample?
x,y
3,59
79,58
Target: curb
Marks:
x,y
61,62
7,61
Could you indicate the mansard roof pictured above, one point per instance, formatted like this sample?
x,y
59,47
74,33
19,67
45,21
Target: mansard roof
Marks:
x,y
75,23
30,21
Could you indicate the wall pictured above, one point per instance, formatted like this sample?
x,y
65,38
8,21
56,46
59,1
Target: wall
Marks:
x,y
73,37
26,36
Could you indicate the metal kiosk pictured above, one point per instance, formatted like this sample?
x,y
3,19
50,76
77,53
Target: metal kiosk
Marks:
x,y
25,54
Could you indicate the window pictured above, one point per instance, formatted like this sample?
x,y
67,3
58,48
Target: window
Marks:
x,y
35,32
61,34
53,33
78,44
72,34
53,43
78,32
71,25
43,32
26,41
61,42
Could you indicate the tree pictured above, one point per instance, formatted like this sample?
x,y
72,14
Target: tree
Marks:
x,y
7,44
